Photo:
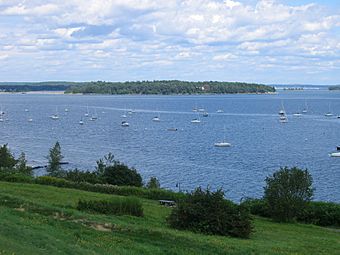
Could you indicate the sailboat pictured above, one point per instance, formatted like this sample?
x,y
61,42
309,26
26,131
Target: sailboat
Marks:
x,y
156,118
94,116
55,116
125,124
81,122
124,114
329,113
297,114
196,120
282,113
223,143
87,111
29,119
219,111
305,110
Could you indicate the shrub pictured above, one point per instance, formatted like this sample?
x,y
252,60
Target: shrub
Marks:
x,y
16,177
119,174
208,212
321,213
257,206
153,183
80,176
54,181
288,192
116,206
54,159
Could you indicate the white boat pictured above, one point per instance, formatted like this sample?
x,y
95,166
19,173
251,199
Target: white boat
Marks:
x,y
1,119
223,143
55,116
329,113
205,114
81,122
29,119
130,112
156,119
87,111
305,110
94,116
66,109
297,114
125,124
220,111
201,110
335,154
26,110
282,113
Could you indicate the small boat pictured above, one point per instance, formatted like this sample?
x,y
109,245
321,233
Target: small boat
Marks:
x,y
205,114
87,111
172,129
94,116
130,112
338,117
125,124
305,110
26,110
55,116
156,119
81,122
1,119
335,154
338,148
195,121
124,116
66,109
29,119
223,143
297,114
220,111
329,113
282,113
201,110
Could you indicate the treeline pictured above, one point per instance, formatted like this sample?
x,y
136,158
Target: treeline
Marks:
x,y
35,86
168,87
336,87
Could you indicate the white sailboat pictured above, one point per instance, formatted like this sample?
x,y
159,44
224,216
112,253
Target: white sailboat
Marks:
x,y
282,114
87,111
81,122
125,124
94,116
223,143
156,118
219,111
305,110
55,116
329,113
196,120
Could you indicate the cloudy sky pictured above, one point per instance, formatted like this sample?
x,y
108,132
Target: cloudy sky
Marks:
x,y
267,41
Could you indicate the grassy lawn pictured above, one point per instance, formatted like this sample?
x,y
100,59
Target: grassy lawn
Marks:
x,y
46,222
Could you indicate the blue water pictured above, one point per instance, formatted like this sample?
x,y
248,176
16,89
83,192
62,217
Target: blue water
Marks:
x,y
260,144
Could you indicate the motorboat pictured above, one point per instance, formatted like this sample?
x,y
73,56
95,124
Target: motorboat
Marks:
x,y
125,124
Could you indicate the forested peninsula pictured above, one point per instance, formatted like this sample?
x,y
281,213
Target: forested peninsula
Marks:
x,y
168,87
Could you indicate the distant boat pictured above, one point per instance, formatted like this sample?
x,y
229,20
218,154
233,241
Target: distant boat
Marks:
x,y
66,109
297,114
94,116
87,111
205,114
125,124
338,116
305,110
26,110
156,119
196,120
1,119
201,109
81,122
220,111
338,148
29,119
223,143
172,129
282,113
130,112
335,154
329,113
55,116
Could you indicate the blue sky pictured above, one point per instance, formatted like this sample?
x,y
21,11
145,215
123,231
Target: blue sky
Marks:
x,y
265,41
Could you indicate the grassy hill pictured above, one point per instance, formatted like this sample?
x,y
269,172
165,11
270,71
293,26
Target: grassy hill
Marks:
x,y
36,219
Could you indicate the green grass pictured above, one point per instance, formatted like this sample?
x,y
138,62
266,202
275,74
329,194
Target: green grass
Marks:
x,y
36,219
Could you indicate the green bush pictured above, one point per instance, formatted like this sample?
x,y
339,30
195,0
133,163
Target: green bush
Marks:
x,y
321,213
208,212
16,177
121,175
287,193
53,181
116,206
80,176
153,183
257,207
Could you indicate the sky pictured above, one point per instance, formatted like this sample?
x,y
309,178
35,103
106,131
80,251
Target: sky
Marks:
x,y
263,41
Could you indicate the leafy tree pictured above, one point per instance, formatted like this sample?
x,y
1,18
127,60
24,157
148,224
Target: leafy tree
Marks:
x,y
153,183
54,159
102,163
22,167
120,174
288,192
7,160
208,212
